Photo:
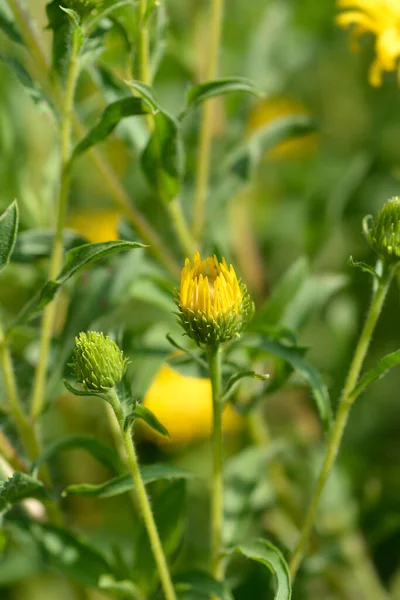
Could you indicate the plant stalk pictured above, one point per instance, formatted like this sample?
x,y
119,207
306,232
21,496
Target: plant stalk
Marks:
x,y
142,498
38,393
345,403
203,164
214,362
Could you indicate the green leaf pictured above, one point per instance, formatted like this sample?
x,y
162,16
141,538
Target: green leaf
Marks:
x,y
34,244
203,91
241,158
295,357
163,158
75,18
30,86
267,554
146,92
62,27
150,419
274,308
103,453
112,115
81,392
71,555
363,266
192,355
245,481
169,513
75,259
384,365
235,379
123,483
19,487
9,28
200,582
121,589
105,11
8,233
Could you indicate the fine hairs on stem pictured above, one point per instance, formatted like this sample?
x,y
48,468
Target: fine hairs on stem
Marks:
x,y
142,498
345,404
214,362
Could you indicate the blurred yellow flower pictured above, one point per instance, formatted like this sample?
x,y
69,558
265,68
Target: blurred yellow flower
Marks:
x,y
99,225
381,17
268,110
184,406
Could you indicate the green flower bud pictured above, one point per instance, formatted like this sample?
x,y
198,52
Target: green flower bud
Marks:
x,y
99,363
213,303
383,233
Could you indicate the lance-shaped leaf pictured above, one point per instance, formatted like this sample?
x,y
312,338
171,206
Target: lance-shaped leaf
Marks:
x,y
75,259
363,266
19,487
241,158
384,365
149,418
103,453
193,356
120,589
124,483
146,92
30,86
210,89
235,379
112,115
8,233
269,555
163,158
200,583
7,25
295,357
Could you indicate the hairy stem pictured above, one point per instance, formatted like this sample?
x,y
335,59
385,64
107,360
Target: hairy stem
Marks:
x,y
203,163
345,403
56,258
143,499
214,362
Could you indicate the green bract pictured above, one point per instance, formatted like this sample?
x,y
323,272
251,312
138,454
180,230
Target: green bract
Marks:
x,y
384,232
99,363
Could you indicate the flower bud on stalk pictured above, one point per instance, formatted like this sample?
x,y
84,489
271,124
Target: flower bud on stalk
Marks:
x,y
383,233
99,363
213,304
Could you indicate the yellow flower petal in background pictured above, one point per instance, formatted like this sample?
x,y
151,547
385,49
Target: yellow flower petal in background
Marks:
x,y
98,225
184,406
268,110
382,18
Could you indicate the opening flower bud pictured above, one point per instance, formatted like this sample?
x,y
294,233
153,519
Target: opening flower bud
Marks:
x,y
99,363
384,232
213,304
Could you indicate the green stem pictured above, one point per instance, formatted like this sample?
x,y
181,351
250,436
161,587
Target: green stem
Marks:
x,y
57,250
143,499
203,164
143,44
185,237
345,404
214,362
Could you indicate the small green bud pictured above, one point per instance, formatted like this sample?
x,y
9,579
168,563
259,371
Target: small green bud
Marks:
x,y
99,363
383,233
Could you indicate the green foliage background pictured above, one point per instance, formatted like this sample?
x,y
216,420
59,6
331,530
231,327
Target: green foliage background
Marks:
x,y
302,207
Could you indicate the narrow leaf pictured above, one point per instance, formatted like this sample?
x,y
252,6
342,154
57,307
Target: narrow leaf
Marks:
x,y
384,365
73,15
79,392
295,357
146,92
193,356
267,554
19,487
123,483
202,583
235,380
75,259
364,267
8,233
150,419
112,115
103,453
163,158
121,589
30,86
9,28
203,91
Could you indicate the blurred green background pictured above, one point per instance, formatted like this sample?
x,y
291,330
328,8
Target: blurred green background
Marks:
x,y
305,198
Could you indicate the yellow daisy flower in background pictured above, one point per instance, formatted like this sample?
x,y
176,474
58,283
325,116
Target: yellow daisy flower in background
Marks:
x,y
96,225
184,406
382,18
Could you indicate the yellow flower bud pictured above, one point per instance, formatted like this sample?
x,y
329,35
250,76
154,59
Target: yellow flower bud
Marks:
x,y
213,304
